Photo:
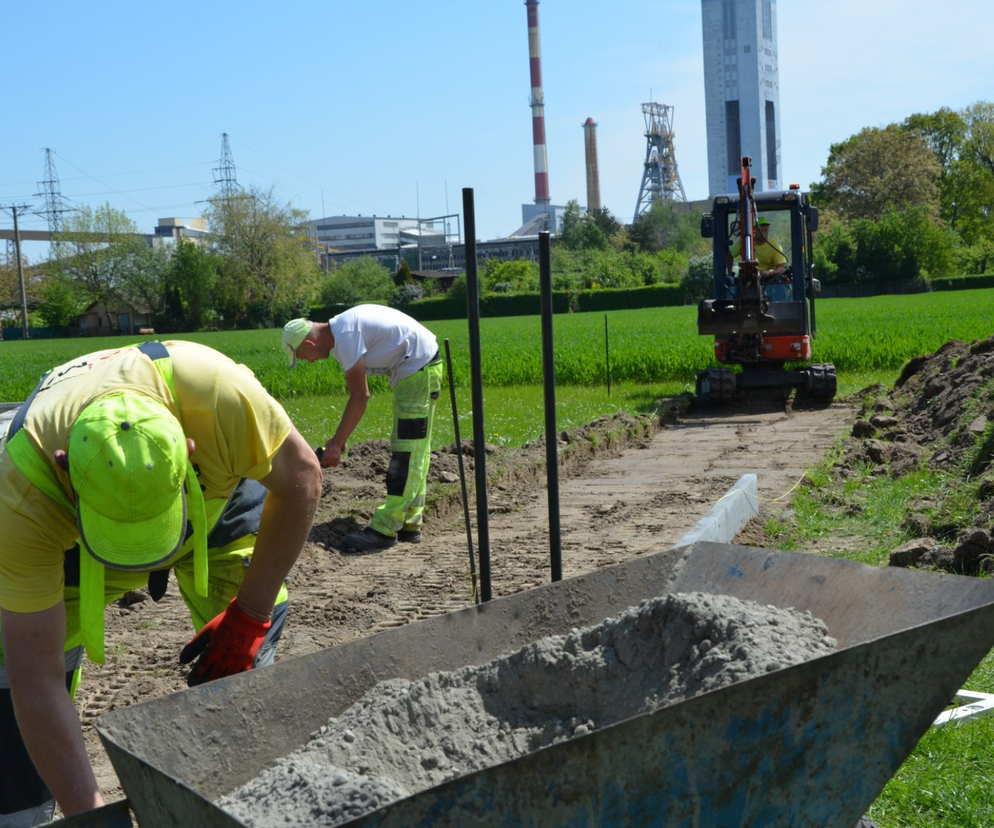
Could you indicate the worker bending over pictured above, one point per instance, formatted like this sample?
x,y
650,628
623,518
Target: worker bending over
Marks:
x,y
372,339
122,465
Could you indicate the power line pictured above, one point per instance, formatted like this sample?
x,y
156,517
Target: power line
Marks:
x,y
224,178
198,165
295,175
140,189
104,184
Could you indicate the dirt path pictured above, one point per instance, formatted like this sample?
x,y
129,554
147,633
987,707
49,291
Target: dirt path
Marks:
x,y
647,498
627,487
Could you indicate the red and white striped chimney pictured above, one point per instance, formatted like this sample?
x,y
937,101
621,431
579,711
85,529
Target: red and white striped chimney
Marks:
x,y
538,107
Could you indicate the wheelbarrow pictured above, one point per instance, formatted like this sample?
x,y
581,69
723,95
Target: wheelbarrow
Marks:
x,y
812,744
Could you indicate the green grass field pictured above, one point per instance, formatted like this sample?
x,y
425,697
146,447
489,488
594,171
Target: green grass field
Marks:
x,y
643,355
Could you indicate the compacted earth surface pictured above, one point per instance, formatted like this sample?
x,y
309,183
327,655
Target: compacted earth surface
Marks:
x,y
627,486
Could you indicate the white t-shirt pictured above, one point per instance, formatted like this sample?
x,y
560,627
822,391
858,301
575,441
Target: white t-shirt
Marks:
x,y
389,342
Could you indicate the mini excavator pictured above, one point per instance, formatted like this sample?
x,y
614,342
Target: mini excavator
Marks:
x,y
761,320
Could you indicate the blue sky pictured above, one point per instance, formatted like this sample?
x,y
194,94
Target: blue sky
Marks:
x,y
392,108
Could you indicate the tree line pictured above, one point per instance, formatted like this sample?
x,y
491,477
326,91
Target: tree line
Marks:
x,y
909,200
257,265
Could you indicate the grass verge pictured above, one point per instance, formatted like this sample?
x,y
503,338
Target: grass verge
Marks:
x,y
857,510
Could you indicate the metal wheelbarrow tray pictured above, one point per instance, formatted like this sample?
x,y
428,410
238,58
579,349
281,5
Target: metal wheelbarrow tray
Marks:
x,y
808,745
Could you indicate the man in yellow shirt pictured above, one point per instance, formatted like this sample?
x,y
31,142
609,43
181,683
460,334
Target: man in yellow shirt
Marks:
x,y
769,254
121,466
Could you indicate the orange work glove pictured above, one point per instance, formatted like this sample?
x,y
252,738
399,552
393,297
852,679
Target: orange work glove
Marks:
x,y
226,644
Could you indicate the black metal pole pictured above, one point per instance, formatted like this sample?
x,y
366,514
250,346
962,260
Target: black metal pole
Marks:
x,y
607,355
462,472
551,432
476,381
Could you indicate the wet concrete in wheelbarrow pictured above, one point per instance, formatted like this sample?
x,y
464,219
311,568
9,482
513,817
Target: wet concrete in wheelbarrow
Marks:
x,y
403,737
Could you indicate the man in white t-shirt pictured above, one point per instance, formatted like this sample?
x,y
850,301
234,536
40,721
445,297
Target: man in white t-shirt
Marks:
x,y
373,339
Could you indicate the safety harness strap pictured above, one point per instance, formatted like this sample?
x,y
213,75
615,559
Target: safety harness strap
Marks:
x,y
27,459
35,469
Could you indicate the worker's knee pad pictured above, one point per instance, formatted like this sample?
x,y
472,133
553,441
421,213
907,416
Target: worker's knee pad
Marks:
x,y
398,472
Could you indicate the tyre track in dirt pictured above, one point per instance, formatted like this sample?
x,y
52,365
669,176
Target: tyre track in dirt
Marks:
x,y
616,508
647,498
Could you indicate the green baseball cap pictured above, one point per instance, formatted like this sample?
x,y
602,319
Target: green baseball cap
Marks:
x,y
294,332
128,460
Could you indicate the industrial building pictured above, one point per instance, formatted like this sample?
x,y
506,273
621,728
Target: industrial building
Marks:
x,y
350,233
447,258
180,228
741,92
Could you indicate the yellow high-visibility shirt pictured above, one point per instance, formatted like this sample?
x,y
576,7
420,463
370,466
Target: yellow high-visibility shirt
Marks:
x,y
237,428
768,254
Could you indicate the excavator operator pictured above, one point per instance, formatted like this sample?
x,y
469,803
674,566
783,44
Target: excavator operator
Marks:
x,y
769,254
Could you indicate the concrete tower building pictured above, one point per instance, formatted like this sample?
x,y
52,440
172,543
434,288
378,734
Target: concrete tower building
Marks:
x,y
741,91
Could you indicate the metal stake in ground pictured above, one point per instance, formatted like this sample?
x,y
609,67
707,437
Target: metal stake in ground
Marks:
x,y
476,381
462,471
551,432
607,355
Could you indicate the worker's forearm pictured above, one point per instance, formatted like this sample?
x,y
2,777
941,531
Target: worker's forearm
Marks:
x,y
51,731
283,530
36,672
293,489
351,416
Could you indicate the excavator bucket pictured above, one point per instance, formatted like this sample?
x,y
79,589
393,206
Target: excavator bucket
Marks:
x,y
811,744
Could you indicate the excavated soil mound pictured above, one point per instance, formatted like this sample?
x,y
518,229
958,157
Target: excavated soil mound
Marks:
x,y
939,416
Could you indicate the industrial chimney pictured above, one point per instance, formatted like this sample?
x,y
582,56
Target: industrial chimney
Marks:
x,y
593,180
538,108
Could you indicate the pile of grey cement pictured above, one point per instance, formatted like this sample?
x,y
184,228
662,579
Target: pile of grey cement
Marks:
x,y
403,736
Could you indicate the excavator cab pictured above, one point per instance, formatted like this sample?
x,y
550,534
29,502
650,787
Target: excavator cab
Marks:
x,y
762,314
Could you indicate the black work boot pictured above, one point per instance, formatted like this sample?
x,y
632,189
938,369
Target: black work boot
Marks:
x,y
409,534
368,540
